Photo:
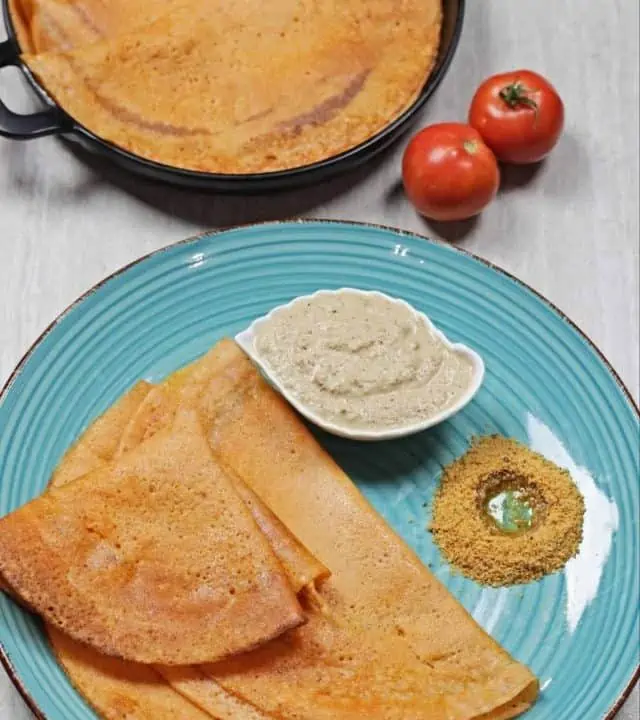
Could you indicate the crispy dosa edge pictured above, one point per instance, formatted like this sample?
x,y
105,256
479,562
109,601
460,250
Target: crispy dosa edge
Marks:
x,y
329,669
175,474
99,442
200,689
303,569
20,11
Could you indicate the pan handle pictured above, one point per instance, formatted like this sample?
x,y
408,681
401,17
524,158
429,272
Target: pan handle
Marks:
x,y
25,127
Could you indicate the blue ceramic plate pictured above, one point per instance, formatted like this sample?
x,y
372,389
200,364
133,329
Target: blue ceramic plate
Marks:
x,y
546,385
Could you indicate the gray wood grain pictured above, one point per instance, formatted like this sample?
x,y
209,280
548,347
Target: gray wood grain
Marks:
x,y
568,228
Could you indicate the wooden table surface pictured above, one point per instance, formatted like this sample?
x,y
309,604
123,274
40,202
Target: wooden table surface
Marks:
x,y
568,228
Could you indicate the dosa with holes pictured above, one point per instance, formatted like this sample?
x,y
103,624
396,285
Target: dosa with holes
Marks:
x,y
144,410
373,644
119,689
101,439
50,25
344,663
231,87
157,411
109,684
154,558
384,622
352,687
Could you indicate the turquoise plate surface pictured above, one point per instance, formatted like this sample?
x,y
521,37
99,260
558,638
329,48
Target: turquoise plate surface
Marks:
x,y
546,385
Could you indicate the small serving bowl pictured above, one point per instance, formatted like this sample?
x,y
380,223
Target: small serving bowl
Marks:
x,y
246,340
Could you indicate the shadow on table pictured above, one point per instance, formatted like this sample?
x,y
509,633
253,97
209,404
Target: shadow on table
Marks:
x,y
210,209
454,231
514,177
564,175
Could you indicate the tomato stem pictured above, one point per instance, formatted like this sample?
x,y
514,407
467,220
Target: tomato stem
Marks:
x,y
517,94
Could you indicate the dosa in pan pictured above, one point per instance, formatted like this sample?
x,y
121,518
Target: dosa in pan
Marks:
x,y
387,640
51,25
233,87
154,558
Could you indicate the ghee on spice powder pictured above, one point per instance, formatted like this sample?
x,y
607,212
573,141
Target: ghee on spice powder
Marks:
x,y
505,515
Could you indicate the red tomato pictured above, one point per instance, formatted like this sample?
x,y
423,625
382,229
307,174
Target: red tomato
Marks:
x,y
519,115
449,173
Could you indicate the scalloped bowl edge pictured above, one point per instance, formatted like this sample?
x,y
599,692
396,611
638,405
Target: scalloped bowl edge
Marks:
x,y
245,340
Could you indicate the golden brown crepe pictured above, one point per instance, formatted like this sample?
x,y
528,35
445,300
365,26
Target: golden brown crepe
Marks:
x,y
145,410
373,645
110,684
100,440
157,411
190,682
354,690
45,25
118,689
232,87
332,669
154,558
378,584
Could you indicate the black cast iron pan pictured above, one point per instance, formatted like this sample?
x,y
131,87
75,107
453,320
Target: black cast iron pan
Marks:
x,y
54,121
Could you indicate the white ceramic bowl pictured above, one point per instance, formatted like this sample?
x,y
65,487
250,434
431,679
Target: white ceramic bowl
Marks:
x,y
246,340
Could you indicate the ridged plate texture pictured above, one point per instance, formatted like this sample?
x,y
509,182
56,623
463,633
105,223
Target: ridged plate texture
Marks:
x,y
545,384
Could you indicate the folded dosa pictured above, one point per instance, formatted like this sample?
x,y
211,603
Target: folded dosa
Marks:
x,y
145,410
119,689
377,584
190,682
158,410
305,661
353,658
331,669
154,558
232,87
110,684
99,442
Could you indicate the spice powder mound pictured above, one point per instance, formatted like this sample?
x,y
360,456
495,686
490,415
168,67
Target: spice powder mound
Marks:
x,y
505,515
